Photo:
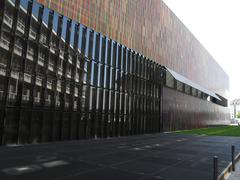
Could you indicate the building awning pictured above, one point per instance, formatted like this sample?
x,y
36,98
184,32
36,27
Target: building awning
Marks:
x,y
191,83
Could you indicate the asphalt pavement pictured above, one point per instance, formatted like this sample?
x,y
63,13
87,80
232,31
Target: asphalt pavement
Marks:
x,y
166,156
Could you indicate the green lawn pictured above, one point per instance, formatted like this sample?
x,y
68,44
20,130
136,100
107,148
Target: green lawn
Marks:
x,y
214,131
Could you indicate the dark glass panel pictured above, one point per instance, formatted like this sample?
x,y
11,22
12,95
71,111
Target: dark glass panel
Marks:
x,y
194,92
169,80
24,4
114,50
93,73
100,77
82,38
108,52
89,44
103,48
35,9
123,58
118,59
106,77
64,27
126,60
187,89
74,23
46,12
97,46
91,100
111,80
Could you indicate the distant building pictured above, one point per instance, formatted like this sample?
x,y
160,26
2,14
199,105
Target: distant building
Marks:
x,y
234,107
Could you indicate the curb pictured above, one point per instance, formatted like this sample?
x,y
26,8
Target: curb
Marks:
x,y
227,171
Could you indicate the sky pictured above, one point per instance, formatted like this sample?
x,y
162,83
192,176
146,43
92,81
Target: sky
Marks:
x,y
216,24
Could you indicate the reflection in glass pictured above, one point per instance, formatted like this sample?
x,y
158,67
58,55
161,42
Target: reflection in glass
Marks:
x,y
64,27
45,17
24,4
73,28
97,46
100,78
82,38
103,48
35,9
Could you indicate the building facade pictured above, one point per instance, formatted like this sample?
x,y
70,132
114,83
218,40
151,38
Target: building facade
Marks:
x,y
88,75
235,108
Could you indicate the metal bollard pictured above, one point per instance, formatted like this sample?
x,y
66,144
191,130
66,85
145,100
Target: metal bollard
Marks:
x,y
215,168
233,161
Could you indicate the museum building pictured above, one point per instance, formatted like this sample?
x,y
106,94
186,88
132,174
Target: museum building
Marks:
x,y
68,71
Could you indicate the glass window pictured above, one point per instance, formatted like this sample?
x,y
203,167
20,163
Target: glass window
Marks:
x,y
33,32
41,58
30,52
111,81
194,92
131,62
97,46
13,84
84,92
103,49
199,94
25,94
12,2
69,72
4,41
66,105
86,64
49,83
35,9
106,77
37,96
64,27
91,100
98,99
127,60
93,73
169,80
108,52
111,101
139,66
115,101
123,58
51,65
113,57
187,89
179,86
24,4
59,85
73,31
55,21
117,79
82,38
105,98
118,61
21,24
89,49
8,18
18,47
45,17
100,75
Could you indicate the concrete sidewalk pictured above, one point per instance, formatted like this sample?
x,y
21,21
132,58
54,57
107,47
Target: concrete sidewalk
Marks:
x,y
236,174
158,156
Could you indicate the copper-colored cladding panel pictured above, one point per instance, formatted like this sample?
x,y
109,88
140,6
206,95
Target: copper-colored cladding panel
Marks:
x,y
181,111
151,28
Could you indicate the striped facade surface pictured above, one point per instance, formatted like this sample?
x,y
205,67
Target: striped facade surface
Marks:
x,y
61,80
152,29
